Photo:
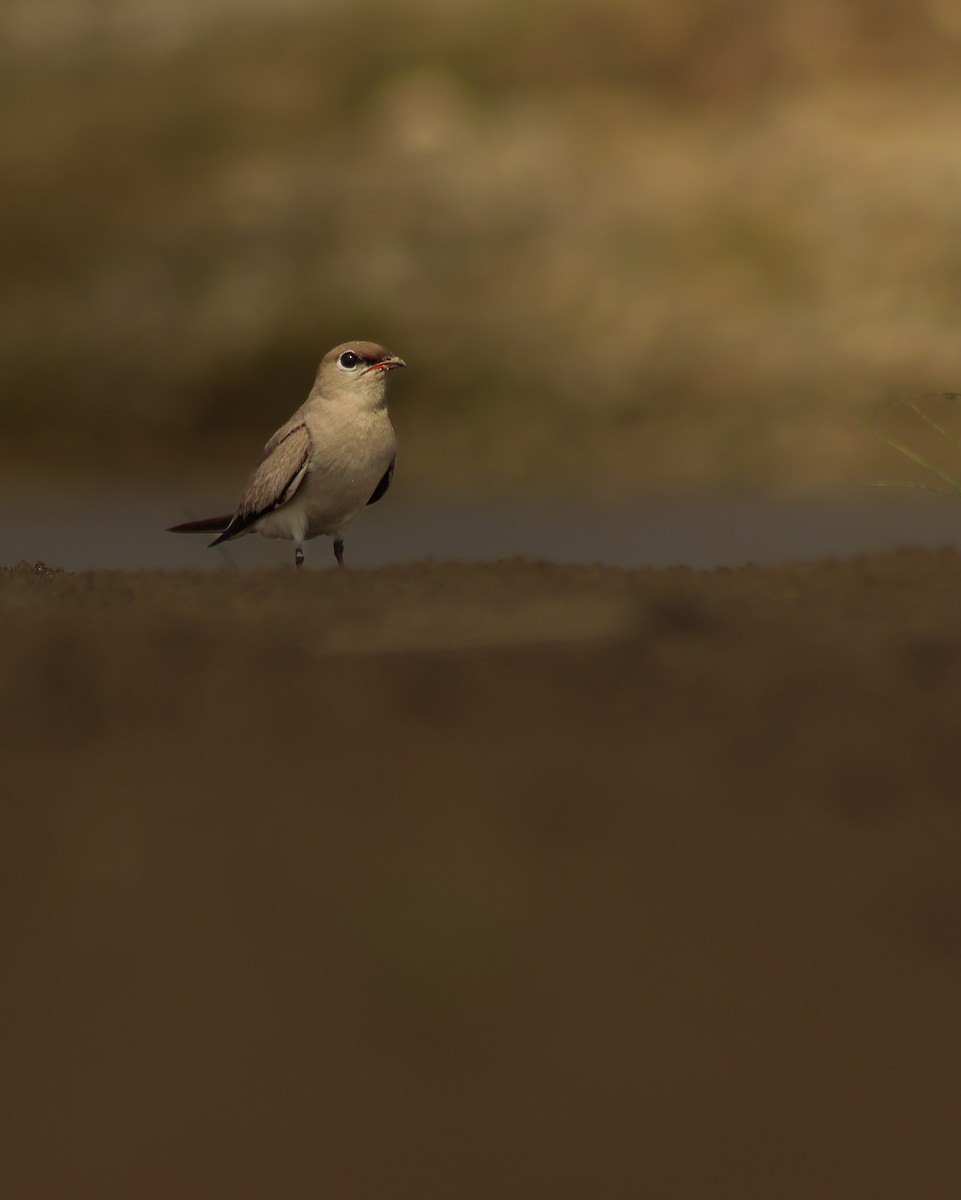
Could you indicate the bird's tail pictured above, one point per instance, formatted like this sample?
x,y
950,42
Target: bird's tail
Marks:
x,y
205,525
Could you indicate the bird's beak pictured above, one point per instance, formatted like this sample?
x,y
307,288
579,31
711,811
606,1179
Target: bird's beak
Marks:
x,y
387,364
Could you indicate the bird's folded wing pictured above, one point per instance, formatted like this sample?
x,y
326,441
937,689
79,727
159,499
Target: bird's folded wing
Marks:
x,y
276,477
384,484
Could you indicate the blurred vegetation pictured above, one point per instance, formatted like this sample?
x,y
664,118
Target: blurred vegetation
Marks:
x,y
622,244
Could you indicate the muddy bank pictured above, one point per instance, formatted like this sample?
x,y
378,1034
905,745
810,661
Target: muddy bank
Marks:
x,y
514,879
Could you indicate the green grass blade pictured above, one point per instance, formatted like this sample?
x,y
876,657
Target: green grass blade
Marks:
x,y
917,458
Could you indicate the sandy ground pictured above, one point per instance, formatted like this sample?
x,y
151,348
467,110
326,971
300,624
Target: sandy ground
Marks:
x,y
482,881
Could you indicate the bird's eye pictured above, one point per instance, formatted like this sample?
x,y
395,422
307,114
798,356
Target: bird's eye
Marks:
x,y
349,359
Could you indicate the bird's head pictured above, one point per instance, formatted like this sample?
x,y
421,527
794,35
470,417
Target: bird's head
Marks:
x,y
356,369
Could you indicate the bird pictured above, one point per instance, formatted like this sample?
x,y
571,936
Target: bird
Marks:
x,y
332,458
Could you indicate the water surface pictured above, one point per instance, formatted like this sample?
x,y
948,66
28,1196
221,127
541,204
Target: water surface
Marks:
x,y
126,531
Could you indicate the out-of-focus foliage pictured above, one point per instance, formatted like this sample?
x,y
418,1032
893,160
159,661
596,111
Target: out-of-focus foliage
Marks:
x,y
629,243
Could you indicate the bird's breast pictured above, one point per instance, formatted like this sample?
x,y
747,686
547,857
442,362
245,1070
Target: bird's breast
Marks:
x,y
346,466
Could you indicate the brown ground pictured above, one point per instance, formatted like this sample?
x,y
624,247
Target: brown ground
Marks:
x,y
463,881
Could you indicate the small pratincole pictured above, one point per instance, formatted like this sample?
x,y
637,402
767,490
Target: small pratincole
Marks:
x,y
334,456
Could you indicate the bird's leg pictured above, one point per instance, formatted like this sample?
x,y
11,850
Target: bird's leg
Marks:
x,y
339,551
298,557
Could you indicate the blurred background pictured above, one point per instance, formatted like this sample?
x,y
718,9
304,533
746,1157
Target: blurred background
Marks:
x,y
673,912
628,249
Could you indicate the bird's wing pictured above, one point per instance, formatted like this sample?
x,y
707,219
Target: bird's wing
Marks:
x,y
276,478
384,483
